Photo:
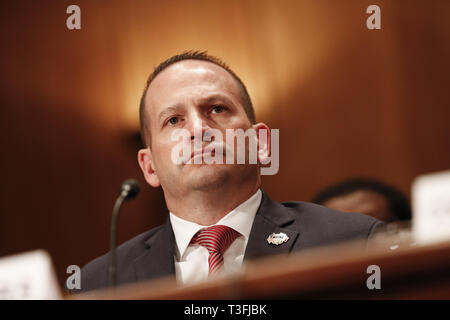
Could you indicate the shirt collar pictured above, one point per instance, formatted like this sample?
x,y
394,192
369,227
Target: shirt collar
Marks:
x,y
240,219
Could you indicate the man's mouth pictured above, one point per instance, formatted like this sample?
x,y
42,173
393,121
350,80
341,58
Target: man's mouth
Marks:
x,y
203,151
209,150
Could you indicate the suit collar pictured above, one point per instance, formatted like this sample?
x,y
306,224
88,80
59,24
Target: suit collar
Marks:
x,y
158,259
240,219
271,218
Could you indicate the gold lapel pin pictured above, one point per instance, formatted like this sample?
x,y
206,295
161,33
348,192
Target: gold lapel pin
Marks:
x,y
277,238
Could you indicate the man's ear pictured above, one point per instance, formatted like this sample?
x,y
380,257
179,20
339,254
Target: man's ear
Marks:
x,y
263,138
145,160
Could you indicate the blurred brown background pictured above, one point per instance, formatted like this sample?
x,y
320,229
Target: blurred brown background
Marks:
x,y
348,102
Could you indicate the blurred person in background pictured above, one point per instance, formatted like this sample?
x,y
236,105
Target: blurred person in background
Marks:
x,y
367,196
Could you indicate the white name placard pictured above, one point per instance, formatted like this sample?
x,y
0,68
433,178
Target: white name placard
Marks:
x,y
431,207
28,276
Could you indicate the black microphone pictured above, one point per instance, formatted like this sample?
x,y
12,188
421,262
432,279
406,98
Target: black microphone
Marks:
x,y
129,190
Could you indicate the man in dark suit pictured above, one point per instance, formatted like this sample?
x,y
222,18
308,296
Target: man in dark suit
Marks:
x,y
219,216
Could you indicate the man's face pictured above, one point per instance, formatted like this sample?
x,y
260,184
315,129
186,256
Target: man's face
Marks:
x,y
191,95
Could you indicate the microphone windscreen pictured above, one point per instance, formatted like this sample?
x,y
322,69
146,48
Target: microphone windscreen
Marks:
x,y
131,187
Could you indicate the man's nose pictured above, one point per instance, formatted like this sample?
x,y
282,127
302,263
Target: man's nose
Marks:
x,y
198,125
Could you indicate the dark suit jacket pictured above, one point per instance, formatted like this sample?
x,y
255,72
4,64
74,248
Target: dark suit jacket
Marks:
x,y
151,254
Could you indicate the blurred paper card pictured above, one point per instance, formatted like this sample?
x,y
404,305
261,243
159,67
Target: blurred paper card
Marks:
x,y
28,276
431,207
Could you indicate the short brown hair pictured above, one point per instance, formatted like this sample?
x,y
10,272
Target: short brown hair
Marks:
x,y
192,55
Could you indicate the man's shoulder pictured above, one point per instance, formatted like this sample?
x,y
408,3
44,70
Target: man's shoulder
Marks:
x,y
317,222
95,273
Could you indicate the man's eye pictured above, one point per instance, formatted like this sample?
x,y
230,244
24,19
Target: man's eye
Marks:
x,y
218,109
173,120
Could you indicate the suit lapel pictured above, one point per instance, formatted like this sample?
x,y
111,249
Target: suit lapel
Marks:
x,y
271,217
158,258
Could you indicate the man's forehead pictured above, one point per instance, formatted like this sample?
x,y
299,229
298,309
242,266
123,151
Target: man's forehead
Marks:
x,y
194,68
185,73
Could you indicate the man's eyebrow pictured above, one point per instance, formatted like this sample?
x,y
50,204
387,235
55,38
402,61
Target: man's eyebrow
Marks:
x,y
216,97
169,110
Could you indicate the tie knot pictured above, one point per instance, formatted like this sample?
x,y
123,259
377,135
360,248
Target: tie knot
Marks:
x,y
215,239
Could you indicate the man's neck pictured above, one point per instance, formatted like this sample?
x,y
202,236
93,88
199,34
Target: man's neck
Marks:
x,y
207,207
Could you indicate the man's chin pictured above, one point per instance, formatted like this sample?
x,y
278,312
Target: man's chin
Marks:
x,y
206,177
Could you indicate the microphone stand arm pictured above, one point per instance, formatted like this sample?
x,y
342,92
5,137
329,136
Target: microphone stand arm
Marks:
x,y
112,279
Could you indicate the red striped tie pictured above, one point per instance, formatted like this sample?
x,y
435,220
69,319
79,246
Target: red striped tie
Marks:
x,y
216,240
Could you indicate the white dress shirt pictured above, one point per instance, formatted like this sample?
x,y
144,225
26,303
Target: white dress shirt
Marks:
x,y
191,260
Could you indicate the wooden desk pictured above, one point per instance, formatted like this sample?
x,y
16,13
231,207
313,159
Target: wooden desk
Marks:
x,y
408,272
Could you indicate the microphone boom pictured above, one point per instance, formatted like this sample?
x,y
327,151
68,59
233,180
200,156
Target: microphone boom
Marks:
x,y
129,190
